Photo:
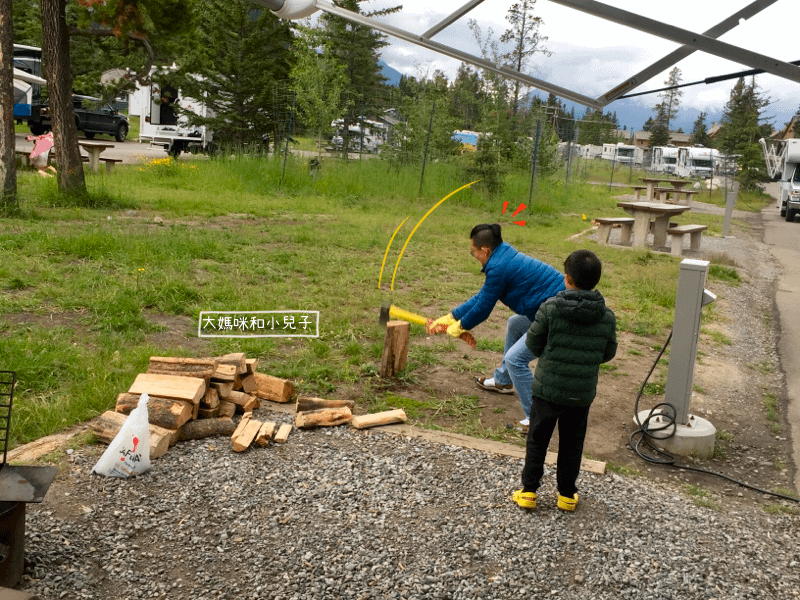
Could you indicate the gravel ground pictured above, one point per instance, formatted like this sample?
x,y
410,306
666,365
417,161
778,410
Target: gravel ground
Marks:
x,y
338,513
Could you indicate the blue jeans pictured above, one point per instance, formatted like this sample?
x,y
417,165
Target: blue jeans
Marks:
x,y
516,368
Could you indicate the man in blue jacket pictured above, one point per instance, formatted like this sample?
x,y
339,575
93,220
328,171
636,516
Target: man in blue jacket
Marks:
x,y
520,282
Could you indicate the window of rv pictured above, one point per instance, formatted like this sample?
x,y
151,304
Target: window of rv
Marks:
x,y
625,152
702,163
670,160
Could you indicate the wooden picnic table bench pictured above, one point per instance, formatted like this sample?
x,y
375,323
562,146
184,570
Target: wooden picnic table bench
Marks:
x,y
676,234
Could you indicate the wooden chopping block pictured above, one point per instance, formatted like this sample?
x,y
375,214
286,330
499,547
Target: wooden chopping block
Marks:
x,y
382,418
164,412
190,389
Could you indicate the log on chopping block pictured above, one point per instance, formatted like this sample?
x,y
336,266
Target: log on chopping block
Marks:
x,y
382,418
265,433
305,403
395,348
164,412
324,417
197,430
190,389
107,426
245,402
186,367
237,359
273,388
283,433
245,432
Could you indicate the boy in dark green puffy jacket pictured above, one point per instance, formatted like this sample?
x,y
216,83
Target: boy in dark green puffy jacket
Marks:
x,y
572,334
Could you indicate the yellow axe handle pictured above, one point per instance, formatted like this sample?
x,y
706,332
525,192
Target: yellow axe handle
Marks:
x,y
399,313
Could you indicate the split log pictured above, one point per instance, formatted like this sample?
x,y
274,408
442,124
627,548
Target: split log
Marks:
x,y
208,413
251,364
226,409
210,399
273,388
265,433
395,348
164,412
107,426
169,386
305,403
237,359
248,384
224,373
186,367
196,430
245,433
324,417
382,418
245,402
283,433
223,388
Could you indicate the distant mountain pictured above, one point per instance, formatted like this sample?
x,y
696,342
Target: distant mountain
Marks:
x,y
392,75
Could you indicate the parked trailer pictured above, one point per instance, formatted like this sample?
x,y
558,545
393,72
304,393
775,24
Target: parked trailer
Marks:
x,y
161,124
695,162
623,154
665,159
783,164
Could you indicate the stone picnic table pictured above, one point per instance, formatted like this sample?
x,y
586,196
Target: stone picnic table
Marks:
x,y
653,182
95,149
644,212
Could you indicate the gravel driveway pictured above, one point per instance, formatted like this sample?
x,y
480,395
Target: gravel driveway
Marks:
x,y
338,513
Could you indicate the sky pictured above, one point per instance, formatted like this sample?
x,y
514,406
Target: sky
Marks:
x,y
592,56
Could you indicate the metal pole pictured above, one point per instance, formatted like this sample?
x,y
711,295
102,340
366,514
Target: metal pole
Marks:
x,y
533,160
361,141
288,135
613,162
425,155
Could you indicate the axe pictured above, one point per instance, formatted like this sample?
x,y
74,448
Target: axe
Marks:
x,y
390,311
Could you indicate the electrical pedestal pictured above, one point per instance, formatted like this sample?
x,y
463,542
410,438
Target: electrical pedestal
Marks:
x,y
692,434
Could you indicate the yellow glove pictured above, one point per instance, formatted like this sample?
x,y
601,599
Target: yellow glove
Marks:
x,y
441,324
455,329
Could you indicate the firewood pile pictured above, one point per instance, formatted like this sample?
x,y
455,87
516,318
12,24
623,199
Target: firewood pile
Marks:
x,y
195,398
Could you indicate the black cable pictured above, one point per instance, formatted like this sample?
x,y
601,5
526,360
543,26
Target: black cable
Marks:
x,y
662,457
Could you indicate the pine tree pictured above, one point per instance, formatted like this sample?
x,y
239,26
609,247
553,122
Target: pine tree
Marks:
x,y
741,130
525,41
356,48
699,132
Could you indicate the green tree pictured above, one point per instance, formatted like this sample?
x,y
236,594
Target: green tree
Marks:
x,y
239,65
597,127
318,81
667,109
466,98
742,127
659,135
355,48
525,40
699,131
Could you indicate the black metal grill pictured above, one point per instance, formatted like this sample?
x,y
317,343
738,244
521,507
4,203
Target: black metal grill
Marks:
x,y
8,380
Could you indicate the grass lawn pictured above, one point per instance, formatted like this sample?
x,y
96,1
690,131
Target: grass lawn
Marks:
x,y
89,286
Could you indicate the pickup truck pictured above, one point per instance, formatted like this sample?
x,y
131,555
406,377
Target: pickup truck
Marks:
x,y
91,117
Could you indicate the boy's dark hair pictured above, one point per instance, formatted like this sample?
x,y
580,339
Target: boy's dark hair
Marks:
x,y
486,236
584,268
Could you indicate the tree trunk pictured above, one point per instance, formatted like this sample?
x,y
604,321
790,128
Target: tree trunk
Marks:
x,y
8,160
55,53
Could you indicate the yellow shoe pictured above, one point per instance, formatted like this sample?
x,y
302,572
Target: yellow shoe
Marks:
x,y
569,504
524,499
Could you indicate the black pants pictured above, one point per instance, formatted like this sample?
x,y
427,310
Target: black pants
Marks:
x,y
571,434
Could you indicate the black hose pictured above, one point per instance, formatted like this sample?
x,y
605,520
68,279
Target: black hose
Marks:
x,y
667,412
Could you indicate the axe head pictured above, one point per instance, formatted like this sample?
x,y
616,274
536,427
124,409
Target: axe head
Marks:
x,y
383,317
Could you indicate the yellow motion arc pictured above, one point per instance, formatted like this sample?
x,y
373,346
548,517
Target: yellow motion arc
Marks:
x,y
420,223
385,254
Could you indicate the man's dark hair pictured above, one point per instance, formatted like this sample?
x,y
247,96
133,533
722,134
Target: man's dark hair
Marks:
x,y
584,268
486,236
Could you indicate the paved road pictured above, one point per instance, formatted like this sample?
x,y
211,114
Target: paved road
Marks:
x,y
784,241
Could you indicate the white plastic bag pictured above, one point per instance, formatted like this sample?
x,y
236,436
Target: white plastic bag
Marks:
x,y
129,452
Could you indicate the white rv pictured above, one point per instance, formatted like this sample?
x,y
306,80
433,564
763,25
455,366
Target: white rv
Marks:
x,y
371,135
591,151
665,159
624,154
783,164
694,162
162,125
